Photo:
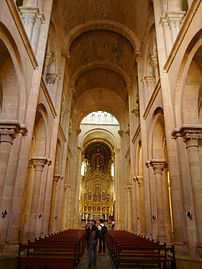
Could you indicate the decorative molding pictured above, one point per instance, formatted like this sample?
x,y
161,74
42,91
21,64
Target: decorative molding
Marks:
x,y
183,30
152,99
22,32
48,98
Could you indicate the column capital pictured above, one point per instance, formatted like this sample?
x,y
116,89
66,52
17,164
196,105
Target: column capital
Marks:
x,y
174,16
120,132
128,187
56,178
9,130
38,163
139,180
136,111
67,186
78,131
190,134
158,165
51,78
138,57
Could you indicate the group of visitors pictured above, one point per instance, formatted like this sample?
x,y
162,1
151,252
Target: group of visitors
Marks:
x,y
93,233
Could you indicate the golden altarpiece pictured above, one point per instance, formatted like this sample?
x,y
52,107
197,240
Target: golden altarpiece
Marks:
x,y
96,199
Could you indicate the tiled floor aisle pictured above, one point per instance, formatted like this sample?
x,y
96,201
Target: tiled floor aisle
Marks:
x,y
103,261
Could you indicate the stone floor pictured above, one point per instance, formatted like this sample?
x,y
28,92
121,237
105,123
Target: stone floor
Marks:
x,y
103,261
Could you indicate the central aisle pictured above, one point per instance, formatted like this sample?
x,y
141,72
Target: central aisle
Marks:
x,y
103,261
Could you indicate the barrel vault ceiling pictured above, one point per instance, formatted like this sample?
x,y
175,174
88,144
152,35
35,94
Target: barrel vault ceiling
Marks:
x,y
100,39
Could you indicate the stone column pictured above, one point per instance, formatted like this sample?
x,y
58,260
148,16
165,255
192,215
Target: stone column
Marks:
x,y
8,132
144,141
166,205
191,136
65,207
138,204
32,19
142,217
53,215
170,22
38,164
117,217
158,166
129,205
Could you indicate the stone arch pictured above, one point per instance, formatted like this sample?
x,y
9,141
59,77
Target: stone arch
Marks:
x,y
58,158
157,135
104,25
104,136
140,161
105,65
187,97
12,86
40,133
118,114
150,64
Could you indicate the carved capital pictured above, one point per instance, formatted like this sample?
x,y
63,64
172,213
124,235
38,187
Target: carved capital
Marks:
x,y
139,180
128,187
120,132
190,134
9,130
158,165
136,111
38,163
56,178
67,186
51,78
138,57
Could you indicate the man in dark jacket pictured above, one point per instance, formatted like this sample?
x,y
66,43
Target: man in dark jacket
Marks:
x,y
92,244
102,230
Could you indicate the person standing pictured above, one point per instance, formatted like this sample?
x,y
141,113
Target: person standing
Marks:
x,y
92,244
102,231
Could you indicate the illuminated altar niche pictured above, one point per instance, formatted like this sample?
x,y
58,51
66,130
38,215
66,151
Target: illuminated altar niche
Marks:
x,y
97,185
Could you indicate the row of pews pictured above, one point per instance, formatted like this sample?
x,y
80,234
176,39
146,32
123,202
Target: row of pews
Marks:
x,y
57,251
128,250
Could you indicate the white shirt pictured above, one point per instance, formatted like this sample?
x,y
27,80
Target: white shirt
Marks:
x,y
100,226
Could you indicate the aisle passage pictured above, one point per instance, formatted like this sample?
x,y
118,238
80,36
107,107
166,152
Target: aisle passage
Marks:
x,y
103,261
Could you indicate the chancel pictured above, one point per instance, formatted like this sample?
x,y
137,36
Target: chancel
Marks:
x,y
101,118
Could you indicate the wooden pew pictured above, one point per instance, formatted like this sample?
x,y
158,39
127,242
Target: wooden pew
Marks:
x,y
58,251
132,251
